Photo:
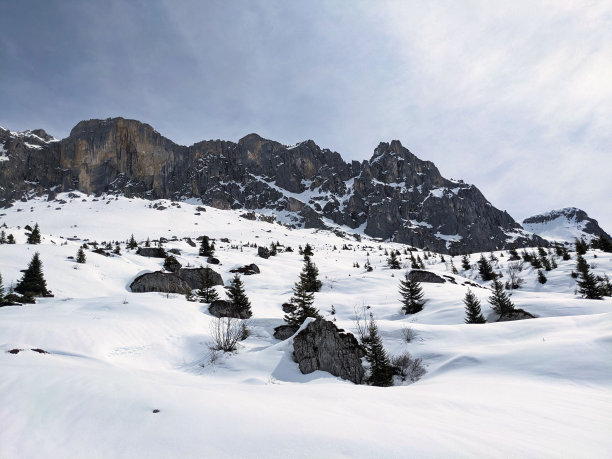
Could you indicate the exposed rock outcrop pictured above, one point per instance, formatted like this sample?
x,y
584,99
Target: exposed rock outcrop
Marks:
x,y
263,252
222,308
159,282
420,275
282,332
323,346
517,314
152,252
182,281
247,270
395,195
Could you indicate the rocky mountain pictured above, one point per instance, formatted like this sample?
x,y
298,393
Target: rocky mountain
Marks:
x,y
565,225
394,195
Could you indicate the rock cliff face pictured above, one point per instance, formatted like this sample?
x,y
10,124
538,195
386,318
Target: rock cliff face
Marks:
x,y
394,195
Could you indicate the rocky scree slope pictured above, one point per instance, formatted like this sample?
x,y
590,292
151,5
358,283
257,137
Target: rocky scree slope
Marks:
x,y
394,195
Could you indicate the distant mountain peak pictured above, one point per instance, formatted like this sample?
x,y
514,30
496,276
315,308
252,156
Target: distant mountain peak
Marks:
x,y
565,225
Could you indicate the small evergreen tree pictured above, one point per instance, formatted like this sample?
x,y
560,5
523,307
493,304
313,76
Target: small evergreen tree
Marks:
x,y
307,252
238,297
10,239
303,301
207,292
500,302
414,264
581,246
588,286
368,266
541,277
148,242
34,236
485,270
81,258
117,250
465,263
513,255
411,296
206,248
393,261
453,268
381,371
311,272
33,282
132,244
473,314
2,237
1,291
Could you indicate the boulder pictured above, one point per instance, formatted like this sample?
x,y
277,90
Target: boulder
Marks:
x,y
189,241
174,251
152,252
282,332
263,252
193,277
172,264
213,261
247,270
517,314
222,308
159,282
323,346
420,275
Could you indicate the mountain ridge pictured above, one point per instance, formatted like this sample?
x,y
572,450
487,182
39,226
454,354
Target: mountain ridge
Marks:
x,y
394,195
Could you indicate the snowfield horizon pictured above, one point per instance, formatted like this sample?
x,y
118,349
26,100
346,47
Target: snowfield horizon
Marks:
x,y
127,374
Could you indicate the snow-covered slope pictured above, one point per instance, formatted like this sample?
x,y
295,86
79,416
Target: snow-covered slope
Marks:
x,y
564,225
533,388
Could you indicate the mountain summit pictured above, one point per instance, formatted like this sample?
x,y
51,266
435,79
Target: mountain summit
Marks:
x,y
565,225
394,195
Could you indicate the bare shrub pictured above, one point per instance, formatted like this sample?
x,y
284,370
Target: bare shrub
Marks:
x,y
226,332
407,367
513,270
409,334
361,323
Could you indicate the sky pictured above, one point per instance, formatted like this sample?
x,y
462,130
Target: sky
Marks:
x,y
514,97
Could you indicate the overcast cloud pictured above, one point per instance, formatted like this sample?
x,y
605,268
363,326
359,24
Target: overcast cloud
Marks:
x,y
515,97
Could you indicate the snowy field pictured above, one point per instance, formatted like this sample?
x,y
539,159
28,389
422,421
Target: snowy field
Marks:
x,y
533,388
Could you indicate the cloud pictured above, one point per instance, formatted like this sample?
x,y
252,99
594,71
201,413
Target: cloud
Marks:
x,y
513,97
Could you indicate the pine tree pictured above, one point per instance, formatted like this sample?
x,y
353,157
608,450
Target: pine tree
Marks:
x,y
303,301
453,268
581,246
381,371
393,261
465,263
148,242
132,244
541,277
485,270
207,292
33,282
237,296
117,250
307,252
473,314
412,296
81,258
413,263
2,237
499,301
368,266
311,272
10,239
34,236
206,248
588,286
513,255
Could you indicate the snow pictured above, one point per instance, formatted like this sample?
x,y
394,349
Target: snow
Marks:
x,y
3,153
560,228
534,388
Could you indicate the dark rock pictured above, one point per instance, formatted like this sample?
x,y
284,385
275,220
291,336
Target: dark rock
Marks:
x,y
189,241
282,332
213,261
247,270
172,264
517,314
174,251
263,252
193,277
15,351
224,239
420,275
322,346
159,282
40,351
152,252
222,308
288,307
100,251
